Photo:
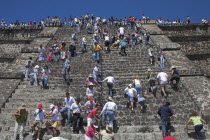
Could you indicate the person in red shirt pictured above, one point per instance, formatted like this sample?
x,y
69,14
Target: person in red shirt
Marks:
x,y
169,138
93,115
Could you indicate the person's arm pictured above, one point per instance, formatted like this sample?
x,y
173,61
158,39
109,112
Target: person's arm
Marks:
x,y
172,72
50,115
16,113
203,120
159,112
105,79
94,135
188,122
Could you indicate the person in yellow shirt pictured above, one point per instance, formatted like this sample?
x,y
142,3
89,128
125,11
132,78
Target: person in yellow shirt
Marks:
x,y
97,52
198,124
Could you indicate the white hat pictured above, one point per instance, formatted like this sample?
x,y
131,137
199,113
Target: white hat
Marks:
x,y
109,128
51,106
110,98
149,69
36,67
91,84
173,67
130,85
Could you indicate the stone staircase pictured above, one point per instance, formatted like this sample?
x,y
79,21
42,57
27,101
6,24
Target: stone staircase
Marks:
x,y
132,126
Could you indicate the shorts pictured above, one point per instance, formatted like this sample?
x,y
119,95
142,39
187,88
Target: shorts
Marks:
x,y
141,103
130,98
54,124
39,124
163,83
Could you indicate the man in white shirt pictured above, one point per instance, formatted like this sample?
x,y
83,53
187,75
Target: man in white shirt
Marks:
x,y
122,32
39,114
84,43
55,120
131,92
76,109
109,110
68,101
106,43
151,54
96,72
163,81
110,82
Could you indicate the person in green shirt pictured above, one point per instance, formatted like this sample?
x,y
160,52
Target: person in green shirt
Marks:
x,y
21,116
198,124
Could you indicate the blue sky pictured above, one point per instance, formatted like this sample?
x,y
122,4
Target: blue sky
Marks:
x,y
26,10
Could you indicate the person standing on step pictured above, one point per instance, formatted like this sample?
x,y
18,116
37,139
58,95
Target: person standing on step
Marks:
x,y
55,120
90,90
62,50
123,46
21,116
84,44
108,111
121,32
107,43
96,73
76,109
131,92
162,59
165,112
198,124
162,81
28,69
39,114
93,116
151,81
72,49
137,85
45,76
108,133
89,105
151,54
110,83
91,80
68,101
174,75
97,52
141,101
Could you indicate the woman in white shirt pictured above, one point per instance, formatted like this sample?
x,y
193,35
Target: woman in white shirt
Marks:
x,y
137,84
90,91
110,82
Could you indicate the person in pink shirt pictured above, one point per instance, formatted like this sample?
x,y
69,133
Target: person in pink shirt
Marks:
x,y
92,116
90,134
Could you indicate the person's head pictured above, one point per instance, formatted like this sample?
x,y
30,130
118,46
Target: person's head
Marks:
x,y
67,95
63,44
97,65
98,106
194,113
40,46
110,74
78,100
52,107
22,106
59,104
91,85
90,76
39,106
137,77
110,99
109,128
168,104
130,85
161,70
173,67
149,70
91,99
95,43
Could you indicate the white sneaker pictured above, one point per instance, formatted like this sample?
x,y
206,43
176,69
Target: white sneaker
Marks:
x,y
33,133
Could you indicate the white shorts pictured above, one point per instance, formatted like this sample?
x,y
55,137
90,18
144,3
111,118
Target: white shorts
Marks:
x,y
88,138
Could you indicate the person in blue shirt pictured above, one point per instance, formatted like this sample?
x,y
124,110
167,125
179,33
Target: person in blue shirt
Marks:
x,y
123,46
165,112
141,101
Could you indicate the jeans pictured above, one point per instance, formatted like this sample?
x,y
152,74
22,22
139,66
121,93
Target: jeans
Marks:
x,y
55,58
97,55
96,77
138,89
162,61
198,131
166,125
21,126
63,54
109,114
84,48
110,86
76,125
64,109
34,79
123,50
44,81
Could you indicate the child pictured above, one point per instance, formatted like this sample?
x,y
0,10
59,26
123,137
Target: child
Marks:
x,y
141,101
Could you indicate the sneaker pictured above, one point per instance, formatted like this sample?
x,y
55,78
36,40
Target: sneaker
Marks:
x,y
33,133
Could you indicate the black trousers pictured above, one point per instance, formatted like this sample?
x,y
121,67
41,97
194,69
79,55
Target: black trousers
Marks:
x,y
76,125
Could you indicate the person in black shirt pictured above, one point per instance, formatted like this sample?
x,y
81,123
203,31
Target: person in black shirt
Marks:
x,y
174,75
165,112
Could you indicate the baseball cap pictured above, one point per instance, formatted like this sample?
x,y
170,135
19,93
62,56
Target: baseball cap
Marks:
x,y
39,106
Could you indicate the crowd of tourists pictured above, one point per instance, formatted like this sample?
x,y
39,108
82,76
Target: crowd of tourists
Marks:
x,y
72,109
72,21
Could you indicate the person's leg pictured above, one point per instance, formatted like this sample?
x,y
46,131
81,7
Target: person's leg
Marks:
x,y
198,131
69,116
110,86
35,79
64,109
26,73
111,117
163,124
15,130
80,120
75,119
22,126
54,132
39,133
